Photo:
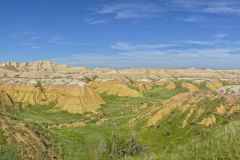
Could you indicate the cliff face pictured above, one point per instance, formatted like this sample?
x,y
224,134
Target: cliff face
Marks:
x,y
71,98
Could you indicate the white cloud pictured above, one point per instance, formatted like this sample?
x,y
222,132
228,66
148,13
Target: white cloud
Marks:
x,y
197,42
193,19
34,47
131,10
130,46
95,20
150,10
150,55
221,35
121,11
190,19
209,6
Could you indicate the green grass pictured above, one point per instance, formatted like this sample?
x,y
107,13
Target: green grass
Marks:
x,y
78,142
44,115
160,93
220,142
7,151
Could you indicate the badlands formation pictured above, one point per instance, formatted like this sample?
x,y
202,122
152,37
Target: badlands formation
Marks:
x,y
77,89
55,111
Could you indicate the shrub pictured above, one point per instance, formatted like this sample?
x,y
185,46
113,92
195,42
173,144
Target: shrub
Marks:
x,y
89,79
116,147
39,86
130,80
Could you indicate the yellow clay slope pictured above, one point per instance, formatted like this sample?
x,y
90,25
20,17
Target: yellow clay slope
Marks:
x,y
5,102
190,87
74,99
115,88
170,86
191,104
214,85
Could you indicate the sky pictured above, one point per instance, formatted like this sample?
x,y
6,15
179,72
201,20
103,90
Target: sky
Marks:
x,y
122,33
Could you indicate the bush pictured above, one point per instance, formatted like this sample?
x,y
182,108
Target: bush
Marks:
x,y
116,147
130,80
39,86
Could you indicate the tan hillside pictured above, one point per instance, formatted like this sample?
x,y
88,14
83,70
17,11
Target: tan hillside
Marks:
x,y
5,102
142,86
190,87
115,88
196,107
170,86
74,99
214,85
71,98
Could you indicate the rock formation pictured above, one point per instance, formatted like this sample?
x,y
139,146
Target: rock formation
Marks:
x,y
74,98
41,66
18,68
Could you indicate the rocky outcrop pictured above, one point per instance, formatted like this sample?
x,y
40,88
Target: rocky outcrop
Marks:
x,y
232,90
68,97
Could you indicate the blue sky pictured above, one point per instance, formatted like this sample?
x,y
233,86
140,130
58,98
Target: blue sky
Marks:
x,y
122,33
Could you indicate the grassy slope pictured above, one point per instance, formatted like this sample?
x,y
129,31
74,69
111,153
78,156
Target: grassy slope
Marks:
x,y
7,152
220,142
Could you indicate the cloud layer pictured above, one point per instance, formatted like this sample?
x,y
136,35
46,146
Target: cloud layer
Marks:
x,y
158,55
